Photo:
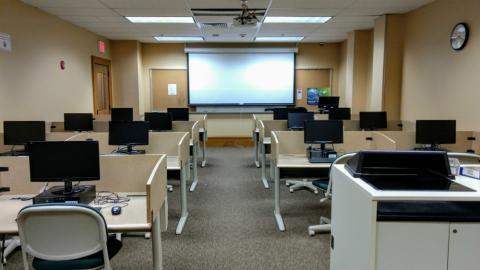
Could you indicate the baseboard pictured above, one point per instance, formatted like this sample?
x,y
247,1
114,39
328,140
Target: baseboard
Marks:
x,y
230,142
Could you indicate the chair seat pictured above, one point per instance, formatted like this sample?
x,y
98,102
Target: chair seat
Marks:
x,y
321,183
90,262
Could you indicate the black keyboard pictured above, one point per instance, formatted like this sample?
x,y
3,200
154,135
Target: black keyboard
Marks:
x,y
321,160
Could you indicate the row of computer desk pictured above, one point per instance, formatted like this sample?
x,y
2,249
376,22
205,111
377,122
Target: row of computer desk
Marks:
x,y
288,150
141,178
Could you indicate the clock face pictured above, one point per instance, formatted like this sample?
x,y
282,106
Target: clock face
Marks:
x,y
459,36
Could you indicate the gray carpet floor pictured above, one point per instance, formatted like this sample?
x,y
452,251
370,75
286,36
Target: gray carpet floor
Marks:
x,y
231,224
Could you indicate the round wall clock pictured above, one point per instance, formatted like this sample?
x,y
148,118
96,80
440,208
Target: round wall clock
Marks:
x,y
459,36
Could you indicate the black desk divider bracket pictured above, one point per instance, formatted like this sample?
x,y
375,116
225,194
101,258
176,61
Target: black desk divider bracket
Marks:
x,y
3,169
369,138
472,138
4,189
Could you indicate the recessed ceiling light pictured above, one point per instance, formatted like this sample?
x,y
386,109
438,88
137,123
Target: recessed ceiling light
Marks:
x,y
278,39
178,39
297,19
160,19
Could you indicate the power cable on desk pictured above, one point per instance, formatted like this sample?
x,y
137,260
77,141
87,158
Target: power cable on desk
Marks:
x,y
106,199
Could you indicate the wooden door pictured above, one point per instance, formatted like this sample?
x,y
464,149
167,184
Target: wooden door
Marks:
x,y
102,89
310,78
161,78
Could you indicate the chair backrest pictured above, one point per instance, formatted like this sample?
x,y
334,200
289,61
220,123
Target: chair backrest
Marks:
x,y
59,232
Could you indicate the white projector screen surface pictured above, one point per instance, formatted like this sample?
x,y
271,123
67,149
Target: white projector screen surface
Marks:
x,y
241,78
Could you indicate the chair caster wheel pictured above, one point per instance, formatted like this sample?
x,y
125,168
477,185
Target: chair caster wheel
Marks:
x,y
291,190
311,233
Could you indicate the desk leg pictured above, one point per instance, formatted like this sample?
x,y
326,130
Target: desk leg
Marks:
x,y
194,167
264,167
164,215
157,256
255,141
184,213
278,215
2,238
204,149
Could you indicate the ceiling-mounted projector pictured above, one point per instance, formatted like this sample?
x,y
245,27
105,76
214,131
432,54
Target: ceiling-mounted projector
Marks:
x,y
247,18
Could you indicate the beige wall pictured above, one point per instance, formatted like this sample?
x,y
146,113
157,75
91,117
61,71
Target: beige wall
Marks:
x,y
342,73
375,101
30,76
172,56
126,85
394,50
439,82
359,69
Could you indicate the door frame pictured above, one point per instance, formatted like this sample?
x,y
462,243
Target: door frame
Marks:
x,y
108,64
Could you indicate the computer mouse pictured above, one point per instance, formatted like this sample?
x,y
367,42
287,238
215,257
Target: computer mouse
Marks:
x,y
116,210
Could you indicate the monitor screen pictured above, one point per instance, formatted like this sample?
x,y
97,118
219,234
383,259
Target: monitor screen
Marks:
x,y
297,120
280,113
436,132
179,114
128,133
159,121
339,114
323,131
64,161
78,121
122,114
373,120
328,102
22,132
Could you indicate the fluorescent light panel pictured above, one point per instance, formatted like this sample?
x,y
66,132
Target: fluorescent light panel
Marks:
x,y
278,39
179,38
297,19
160,19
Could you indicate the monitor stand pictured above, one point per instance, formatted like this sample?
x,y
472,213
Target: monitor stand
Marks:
x,y
432,147
130,151
15,153
67,189
321,155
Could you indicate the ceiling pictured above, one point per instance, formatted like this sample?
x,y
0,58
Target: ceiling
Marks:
x,y
107,17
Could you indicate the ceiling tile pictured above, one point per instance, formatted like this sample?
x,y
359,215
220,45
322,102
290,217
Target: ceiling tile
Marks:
x,y
315,4
142,4
65,3
153,12
302,12
80,11
216,4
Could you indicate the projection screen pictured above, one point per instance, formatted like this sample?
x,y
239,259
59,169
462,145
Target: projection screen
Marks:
x,y
241,78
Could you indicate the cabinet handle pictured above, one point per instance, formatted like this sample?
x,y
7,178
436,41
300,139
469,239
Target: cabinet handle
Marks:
x,y
454,231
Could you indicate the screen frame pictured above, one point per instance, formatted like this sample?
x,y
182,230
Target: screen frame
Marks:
x,y
242,104
35,179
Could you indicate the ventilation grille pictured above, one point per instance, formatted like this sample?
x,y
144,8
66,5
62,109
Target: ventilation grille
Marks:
x,y
214,25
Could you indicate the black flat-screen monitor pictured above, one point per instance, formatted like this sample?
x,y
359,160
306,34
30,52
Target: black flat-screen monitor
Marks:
x,y
122,114
281,113
323,132
78,121
435,132
373,120
128,133
179,114
297,120
64,161
159,121
22,132
339,114
328,102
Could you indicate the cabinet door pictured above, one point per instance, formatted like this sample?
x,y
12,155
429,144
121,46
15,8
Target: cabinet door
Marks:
x,y
464,248
412,245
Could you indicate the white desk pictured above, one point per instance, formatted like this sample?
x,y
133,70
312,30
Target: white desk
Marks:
x,y
132,219
290,162
372,244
